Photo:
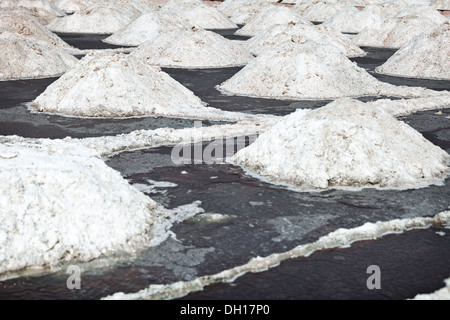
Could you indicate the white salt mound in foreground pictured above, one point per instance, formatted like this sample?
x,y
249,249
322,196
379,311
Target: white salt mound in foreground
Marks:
x,y
352,20
25,59
427,56
199,14
95,20
146,28
24,25
273,15
116,85
310,70
59,203
394,33
344,144
193,48
295,32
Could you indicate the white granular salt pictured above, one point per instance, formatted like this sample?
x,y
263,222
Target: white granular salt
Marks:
x,y
233,7
26,59
441,4
147,27
386,9
43,10
199,14
24,25
273,15
72,6
427,56
310,70
95,20
344,144
323,11
352,20
61,202
278,34
193,48
424,12
394,33
118,85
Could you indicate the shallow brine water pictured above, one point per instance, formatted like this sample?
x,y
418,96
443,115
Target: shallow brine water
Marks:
x,y
251,218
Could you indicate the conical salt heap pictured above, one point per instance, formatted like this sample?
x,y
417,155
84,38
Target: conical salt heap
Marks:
x,y
193,48
61,202
27,59
199,14
147,27
42,10
345,144
310,70
386,9
117,85
16,23
427,56
72,6
394,33
242,11
96,20
273,15
323,11
423,12
295,32
352,20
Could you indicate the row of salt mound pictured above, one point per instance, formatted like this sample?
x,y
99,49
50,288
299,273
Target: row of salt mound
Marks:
x,y
100,19
242,11
116,85
198,14
147,27
278,34
42,10
193,48
273,15
427,56
61,202
310,70
396,32
344,144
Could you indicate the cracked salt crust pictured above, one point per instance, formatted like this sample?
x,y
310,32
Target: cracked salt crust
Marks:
x,y
295,32
427,56
345,144
269,17
310,70
193,48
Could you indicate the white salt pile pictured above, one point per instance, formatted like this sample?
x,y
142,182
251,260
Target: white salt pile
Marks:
x,y
60,202
72,6
394,33
242,11
147,27
117,85
441,4
16,23
310,71
352,20
273,15
42,10
95,20
427,56
421,11
322,11
386,9
344,144
193,48
26,59
295,32
199,14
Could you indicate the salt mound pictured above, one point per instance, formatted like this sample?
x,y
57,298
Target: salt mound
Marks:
x,y
344,144
242,11
26,59
309,71
394,33
421,11
352,20
22,24
295,32
96,20
42,10
441,4
323,11
386,9
427,56
273,15
194,48
147,27
72,6
116,85
199,14
61,202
